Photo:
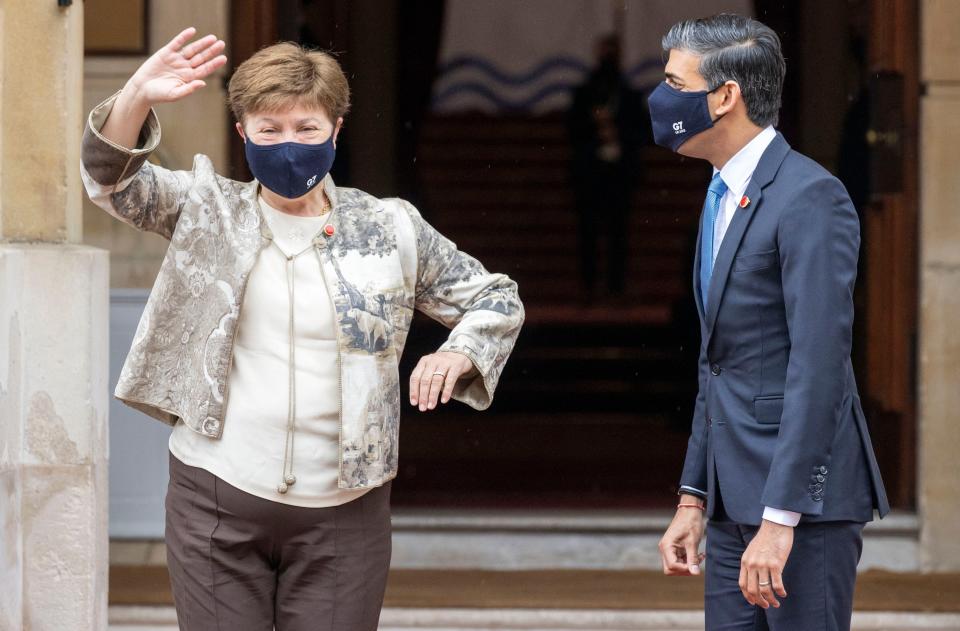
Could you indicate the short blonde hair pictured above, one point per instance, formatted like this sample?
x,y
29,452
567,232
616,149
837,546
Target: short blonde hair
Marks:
x,y
284,75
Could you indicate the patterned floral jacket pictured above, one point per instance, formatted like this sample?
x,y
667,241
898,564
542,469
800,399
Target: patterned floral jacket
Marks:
x,y
381,262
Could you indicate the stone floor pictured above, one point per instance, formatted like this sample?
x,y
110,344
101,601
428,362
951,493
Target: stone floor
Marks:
x,y
624,590
550,571
446,619
524,539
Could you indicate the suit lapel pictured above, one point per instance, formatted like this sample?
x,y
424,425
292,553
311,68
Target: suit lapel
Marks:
x,y
766,170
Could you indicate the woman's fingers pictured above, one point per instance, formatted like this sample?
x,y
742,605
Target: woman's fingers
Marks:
x,y
186,89
415,381
441,388
208,68
437,377
449,384
207,53
194,48
181,40
420,383
426,378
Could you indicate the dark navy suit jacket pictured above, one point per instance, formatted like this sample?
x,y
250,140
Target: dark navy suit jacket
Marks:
x,y
778,420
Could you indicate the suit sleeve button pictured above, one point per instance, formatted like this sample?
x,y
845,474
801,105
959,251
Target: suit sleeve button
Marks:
x,y
715,370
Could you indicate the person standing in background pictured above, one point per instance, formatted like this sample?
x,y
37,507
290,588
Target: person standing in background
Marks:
x,y
607,125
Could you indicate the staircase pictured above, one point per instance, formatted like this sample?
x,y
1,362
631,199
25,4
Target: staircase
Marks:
x,y
592,389
500,187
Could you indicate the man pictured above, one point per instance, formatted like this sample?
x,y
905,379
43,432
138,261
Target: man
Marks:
x,y
607,126
779,458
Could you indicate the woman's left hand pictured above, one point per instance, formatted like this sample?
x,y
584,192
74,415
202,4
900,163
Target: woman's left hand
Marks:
x,y
435,375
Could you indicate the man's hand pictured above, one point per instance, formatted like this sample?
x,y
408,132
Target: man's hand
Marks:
x,y
436,375
761,568
679,545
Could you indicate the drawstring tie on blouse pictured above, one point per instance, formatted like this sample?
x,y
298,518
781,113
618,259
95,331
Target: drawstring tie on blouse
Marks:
x,y
288,479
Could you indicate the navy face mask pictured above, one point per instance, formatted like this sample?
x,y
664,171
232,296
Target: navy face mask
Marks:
x,y
290,169
677,116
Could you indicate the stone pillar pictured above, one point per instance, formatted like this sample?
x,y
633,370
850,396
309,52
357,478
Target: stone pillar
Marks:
x,y
939,351
53,334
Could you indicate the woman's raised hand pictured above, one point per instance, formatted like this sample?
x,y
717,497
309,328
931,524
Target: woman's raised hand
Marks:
x,y
178,69
173,72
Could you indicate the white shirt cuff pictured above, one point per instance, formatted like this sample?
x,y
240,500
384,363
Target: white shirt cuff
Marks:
x,y
782,517
694,491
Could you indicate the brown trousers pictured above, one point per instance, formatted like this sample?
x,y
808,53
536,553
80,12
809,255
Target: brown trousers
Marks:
x,y
243,563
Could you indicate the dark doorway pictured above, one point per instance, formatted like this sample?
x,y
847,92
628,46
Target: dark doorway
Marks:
x,y
594,407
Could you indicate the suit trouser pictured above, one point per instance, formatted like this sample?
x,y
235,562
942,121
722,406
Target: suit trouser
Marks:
x,y
819,578
243,563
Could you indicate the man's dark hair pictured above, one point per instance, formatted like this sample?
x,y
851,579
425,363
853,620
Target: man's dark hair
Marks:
x,y
736,48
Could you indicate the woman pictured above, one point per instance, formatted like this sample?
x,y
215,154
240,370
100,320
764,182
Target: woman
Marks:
x,y
271,339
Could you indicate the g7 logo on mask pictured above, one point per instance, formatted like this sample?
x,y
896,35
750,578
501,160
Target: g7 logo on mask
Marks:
x,y
678,128
312,181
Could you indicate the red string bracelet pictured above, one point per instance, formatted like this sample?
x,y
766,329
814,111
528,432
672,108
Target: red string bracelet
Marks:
x,y
697,506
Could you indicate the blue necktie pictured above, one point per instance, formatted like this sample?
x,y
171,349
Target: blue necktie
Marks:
x,y
711,208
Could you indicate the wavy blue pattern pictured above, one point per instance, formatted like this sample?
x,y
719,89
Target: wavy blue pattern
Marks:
x,y
467,61
568,63
503,104
481,88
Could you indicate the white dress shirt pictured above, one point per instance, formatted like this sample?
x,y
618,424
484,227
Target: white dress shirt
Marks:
x,y
736,174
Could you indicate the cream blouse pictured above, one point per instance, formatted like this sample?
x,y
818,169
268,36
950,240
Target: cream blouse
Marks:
x,y
250,454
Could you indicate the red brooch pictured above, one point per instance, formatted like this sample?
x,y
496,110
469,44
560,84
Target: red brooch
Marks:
x,y
744,201
328,230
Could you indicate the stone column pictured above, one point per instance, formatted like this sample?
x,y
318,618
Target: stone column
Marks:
x,y
53,334
939,352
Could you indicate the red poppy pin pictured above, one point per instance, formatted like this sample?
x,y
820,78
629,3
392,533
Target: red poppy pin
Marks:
x,y
328,230
744,201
